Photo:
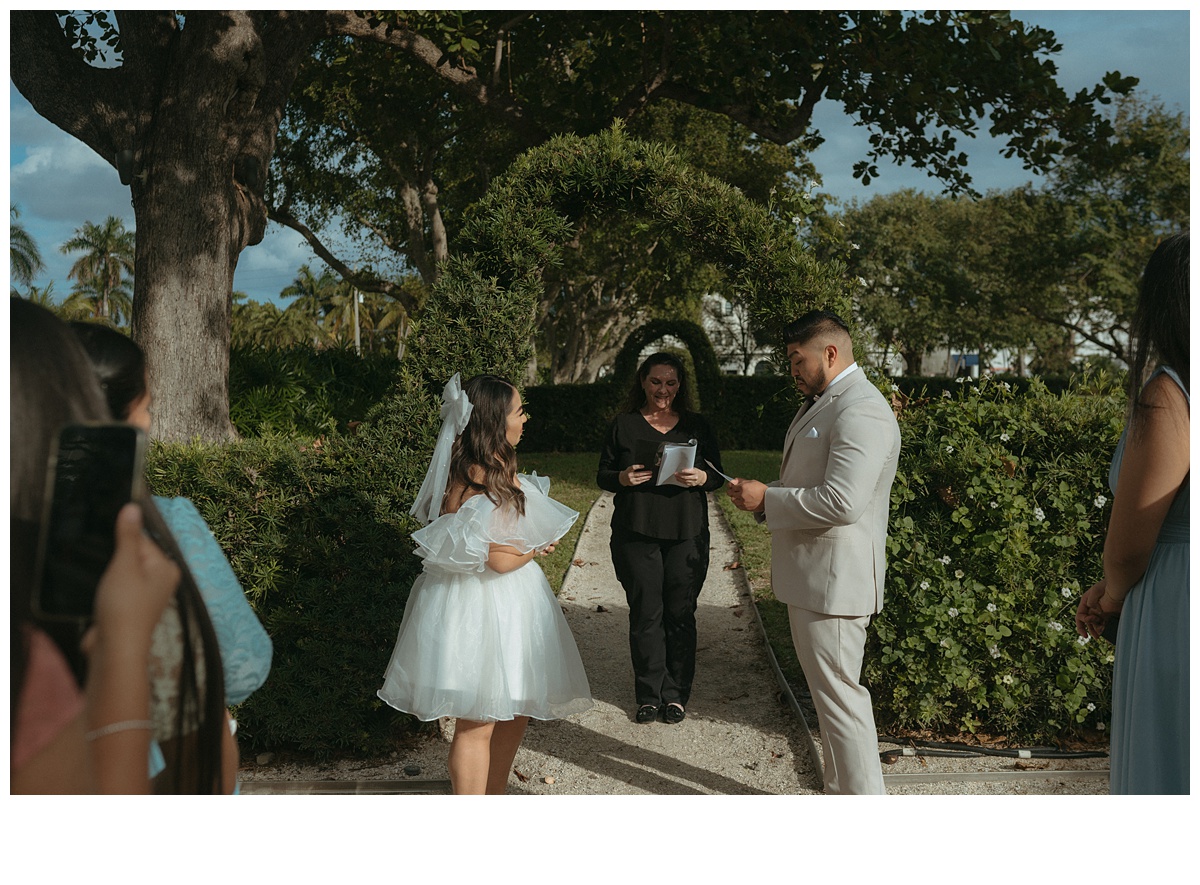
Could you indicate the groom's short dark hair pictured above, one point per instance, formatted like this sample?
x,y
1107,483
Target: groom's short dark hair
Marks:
x,y
813,323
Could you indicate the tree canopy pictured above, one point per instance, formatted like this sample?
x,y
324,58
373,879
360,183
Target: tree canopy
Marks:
x,y
190,110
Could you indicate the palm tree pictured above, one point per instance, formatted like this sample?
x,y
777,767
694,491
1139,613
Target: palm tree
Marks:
x,y
89,301
314,295
24,257
100,273
40,295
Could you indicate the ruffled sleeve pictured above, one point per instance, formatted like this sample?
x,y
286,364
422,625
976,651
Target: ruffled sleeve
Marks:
x,y
461,542
544,522
457,542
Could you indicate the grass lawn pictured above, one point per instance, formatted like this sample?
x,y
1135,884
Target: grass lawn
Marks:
x,y
573,482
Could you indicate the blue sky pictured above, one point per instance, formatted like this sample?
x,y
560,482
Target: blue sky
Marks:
x,y
58,183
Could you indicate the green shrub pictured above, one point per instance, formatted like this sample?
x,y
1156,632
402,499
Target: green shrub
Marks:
x,y
321,544
302,391
998,516
569,417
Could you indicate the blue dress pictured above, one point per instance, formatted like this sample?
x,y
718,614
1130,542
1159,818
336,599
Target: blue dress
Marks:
x,y
246,649
1151,684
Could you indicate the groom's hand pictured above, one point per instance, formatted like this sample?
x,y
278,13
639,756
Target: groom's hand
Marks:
x,y
748,495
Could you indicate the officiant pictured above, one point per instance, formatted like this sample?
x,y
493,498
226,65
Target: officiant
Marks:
x,y
659,541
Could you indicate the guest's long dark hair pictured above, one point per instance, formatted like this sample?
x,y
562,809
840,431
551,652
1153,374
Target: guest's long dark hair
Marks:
x,y
52,384
117,362
1161,323
636,398
484,444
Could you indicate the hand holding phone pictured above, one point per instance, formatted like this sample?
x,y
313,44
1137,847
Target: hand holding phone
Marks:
x,y
135,587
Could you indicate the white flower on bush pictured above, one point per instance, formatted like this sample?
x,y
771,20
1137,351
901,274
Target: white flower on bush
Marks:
x,y
1004,437
945,560
1100,500
958,573
991,606
1006,385
924,585
945,643
895,386
952,612
1083,640
945,394
862,281
994,651
1055,626
1091,708
795,219
1039,514
1066,592
949,448
1108,659
1007,679
993,505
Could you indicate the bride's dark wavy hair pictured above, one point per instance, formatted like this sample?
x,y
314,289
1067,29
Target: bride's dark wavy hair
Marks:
x,y
484,444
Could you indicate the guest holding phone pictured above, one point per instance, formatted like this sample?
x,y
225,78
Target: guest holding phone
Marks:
x,y
145,586
246,650
660,536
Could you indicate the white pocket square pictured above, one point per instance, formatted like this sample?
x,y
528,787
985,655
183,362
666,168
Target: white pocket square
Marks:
x,y
812,433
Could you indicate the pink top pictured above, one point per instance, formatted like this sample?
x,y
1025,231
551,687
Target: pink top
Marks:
x,y
49,700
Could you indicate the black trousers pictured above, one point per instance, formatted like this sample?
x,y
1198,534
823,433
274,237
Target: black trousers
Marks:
x,y
662,579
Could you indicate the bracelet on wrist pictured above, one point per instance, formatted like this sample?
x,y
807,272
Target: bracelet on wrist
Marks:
x,y
115,727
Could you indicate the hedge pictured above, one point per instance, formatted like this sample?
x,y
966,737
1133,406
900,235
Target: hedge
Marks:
x,y
997,526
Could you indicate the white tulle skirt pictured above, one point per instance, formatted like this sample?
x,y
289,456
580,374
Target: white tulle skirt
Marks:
x,y
485,646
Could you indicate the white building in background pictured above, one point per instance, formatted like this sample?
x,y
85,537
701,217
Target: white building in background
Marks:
x,y
728,328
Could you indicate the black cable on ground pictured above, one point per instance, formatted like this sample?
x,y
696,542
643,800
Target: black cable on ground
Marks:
x,y
941,748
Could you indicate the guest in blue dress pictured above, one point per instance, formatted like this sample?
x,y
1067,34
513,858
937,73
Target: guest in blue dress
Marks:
x,y
1146,568
246,649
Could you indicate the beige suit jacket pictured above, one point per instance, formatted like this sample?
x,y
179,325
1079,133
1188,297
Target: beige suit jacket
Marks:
x,y
828,512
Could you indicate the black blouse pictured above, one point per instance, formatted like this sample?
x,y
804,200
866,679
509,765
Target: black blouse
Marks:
x,y
670,512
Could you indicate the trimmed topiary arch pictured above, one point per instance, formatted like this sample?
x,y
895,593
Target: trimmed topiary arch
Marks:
x,y
481,317
481,313
704,358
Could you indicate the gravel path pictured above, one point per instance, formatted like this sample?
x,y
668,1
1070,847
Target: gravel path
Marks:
x,y
740,737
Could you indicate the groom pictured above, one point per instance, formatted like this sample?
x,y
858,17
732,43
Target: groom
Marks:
x,y
827,515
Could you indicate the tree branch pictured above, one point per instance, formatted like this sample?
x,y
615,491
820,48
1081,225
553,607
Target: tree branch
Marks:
x,y
785,134
428,53
361,281
83,101
1111,346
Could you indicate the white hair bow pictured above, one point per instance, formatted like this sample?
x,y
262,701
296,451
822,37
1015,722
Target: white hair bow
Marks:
x,y
456,411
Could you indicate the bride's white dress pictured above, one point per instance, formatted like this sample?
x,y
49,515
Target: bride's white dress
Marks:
x,y
477,644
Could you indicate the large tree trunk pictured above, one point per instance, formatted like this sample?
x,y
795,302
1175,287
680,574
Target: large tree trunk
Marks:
x,y
199,108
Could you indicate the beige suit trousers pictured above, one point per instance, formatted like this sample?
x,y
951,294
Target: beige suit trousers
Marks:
x,y
830,650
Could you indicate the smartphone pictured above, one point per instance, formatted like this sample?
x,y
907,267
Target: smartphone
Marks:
x,y
94,471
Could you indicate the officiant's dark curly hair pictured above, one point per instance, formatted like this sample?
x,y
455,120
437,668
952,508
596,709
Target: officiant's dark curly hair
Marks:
x,y
637,394
484,444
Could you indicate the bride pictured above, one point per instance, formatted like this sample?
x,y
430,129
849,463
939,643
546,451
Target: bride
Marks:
x,y
483,638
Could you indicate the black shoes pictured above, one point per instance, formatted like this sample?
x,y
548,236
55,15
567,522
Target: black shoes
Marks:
x,y
646,713
673,714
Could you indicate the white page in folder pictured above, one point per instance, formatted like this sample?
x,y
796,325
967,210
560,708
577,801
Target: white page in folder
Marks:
x,y
675,456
